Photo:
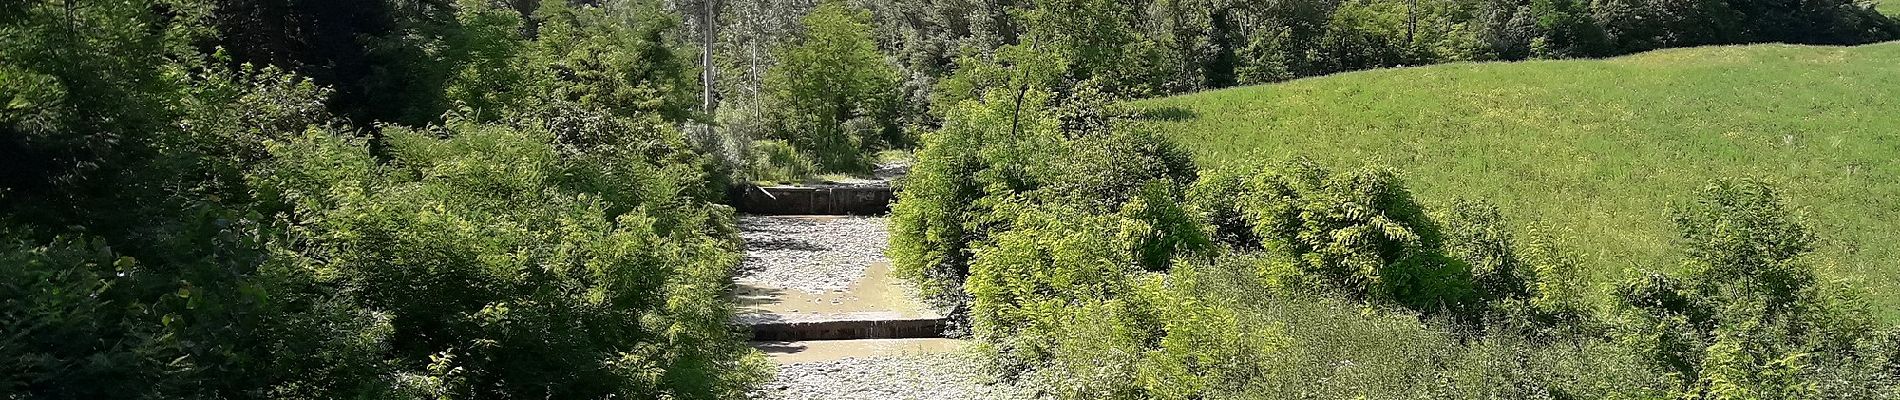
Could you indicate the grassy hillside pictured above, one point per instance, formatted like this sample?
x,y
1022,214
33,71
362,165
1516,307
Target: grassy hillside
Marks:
x,y
1597,150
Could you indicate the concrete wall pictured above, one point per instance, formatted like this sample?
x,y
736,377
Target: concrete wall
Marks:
x,y
849,329
804,200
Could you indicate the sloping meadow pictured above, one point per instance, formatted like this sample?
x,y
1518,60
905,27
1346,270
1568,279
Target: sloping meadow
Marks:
x,y
1101,263
1599,150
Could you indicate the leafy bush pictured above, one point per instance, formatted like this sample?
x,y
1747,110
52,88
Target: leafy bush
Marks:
x,y
773,160
500,273
1358,232
983,156
989,163
1223,328
196,227
1749,319
1297,282
832,95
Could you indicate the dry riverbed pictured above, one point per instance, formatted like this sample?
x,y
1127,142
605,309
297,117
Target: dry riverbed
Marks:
x,y
942,376
810,253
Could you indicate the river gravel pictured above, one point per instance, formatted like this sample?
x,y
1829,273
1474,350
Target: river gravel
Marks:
x,y
906,377
811,254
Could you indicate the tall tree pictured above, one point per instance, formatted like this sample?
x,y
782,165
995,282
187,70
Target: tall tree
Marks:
x,y
832,93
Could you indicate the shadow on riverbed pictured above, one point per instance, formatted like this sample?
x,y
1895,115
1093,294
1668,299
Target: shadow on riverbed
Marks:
x,y
749,296
777,348
783,243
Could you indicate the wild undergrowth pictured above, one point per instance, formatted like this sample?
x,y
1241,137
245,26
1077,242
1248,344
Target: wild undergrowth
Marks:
x,y
1091,259
1598,151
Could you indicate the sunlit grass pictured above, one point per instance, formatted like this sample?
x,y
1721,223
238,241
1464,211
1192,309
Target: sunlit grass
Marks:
x,y
1598,150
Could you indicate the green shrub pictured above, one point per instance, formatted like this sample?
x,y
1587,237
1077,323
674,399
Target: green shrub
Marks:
x,y
195,227
509,279
987,153
1321,285
777,161
1748,320
1358,232
1024,280
1223,329
831,94
1523,281
975,174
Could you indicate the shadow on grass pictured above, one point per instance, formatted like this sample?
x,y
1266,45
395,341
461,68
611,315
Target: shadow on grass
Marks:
x,y
1164,114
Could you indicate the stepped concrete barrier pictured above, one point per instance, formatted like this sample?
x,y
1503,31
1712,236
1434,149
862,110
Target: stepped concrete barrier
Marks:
x,y
814,200
874,307
850,326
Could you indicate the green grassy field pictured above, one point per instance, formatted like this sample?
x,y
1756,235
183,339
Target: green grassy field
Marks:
x,y
1889,7
1597,150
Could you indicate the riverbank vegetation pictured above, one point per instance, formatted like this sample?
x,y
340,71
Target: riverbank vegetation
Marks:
x,y
515,199
1109,253
198,205
1600,164
1118,270
1131,49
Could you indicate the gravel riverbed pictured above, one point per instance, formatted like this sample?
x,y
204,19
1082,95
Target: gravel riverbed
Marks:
x,y
811,254
905,377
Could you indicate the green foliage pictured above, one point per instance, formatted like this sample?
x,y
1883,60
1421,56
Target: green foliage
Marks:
x,y
1134,49
187,225
1358,232
489,43
1748,320
1600,178
778,161
1528,285
832,94
620,57
985,153
1023,280
1297,282
501,272
1223,328
1003,151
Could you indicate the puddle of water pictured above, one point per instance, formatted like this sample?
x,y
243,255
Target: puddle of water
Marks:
x,y
878,291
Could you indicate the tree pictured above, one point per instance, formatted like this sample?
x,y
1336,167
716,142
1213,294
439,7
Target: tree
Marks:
x,y
1748,320
832,94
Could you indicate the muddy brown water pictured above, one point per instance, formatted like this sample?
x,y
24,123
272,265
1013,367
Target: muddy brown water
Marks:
x,y
877,292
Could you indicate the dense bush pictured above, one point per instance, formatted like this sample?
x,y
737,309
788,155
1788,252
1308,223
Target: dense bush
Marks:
x,y
777,161
1358,232
831,94
990,162
1100,270
1327,292
185,225
508,276
1749,320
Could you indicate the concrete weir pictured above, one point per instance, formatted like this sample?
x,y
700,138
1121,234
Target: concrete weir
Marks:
x,y
814,200
849,327
874,307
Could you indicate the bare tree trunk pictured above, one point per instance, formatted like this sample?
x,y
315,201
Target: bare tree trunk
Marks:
x,y
709,25
1411,21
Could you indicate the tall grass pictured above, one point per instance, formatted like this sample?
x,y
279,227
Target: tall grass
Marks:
x,y
1599,149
